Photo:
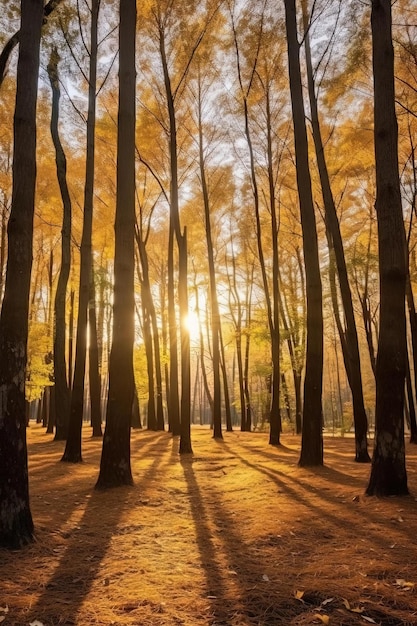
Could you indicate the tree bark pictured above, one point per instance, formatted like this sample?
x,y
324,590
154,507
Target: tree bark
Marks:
x,y
16,524
348,336
312,438
388,472
62,395
214,305
15,38
181,239
115,466
73,452
93,356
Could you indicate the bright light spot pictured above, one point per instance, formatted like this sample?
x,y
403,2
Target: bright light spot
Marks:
x,y
192,325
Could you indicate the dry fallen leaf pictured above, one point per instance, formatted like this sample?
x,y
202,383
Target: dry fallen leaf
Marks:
x,y
4,609
368,619
2,618
327,601
325,619
404,584
358,609
36,623
265,578
298,595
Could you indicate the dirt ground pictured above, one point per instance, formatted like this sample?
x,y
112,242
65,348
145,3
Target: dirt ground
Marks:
x,y
235,535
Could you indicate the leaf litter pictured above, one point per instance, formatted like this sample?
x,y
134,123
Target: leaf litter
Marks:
x,y
253,546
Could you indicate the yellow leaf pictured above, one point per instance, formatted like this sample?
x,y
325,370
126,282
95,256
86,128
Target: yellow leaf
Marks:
x,y
325,619
346,603
298,595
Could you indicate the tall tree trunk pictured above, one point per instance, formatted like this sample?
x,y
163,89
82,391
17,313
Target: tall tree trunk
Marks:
x,y
147,339
15,38
16,525
227,405
214,305
181,239
185,438
71,340
3,242
296,370
151,327
115,466
412,422
237,323
275,414
388,473
349,336
93,363
272,305
173,390
412,316
312,438
73,453
62,395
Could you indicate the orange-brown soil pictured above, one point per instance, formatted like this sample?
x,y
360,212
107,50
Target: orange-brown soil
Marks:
x,y
236,534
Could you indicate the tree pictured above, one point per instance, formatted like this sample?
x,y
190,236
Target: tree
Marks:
x,y
115,460
72,453
348,335
312,440
62,390
271,292
388,472
16,525
15,38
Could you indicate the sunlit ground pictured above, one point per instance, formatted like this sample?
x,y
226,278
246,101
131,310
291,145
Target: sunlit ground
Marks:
x,y
236,534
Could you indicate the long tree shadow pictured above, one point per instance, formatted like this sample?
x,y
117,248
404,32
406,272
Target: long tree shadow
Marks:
x,y
268,599
86,547
275,453
214,575
236,580
326,507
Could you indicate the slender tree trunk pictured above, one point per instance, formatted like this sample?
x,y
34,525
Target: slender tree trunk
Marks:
x,y
411,405
412,316
388,473
275,414
349,336
296,370
185,439
181,239
62,395
214,305
152,328
147,339
312,438
73,453
71,340
228,412
16,525
3,243
93,355
173,392
115,466
237,322
136,421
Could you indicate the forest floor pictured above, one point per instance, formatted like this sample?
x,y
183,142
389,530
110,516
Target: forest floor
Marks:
x,y
235,535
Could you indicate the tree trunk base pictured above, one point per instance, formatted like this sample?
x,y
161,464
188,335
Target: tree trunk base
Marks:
x,y
20,533
362,457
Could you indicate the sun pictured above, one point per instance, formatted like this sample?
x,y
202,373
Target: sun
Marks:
x,y
192,324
